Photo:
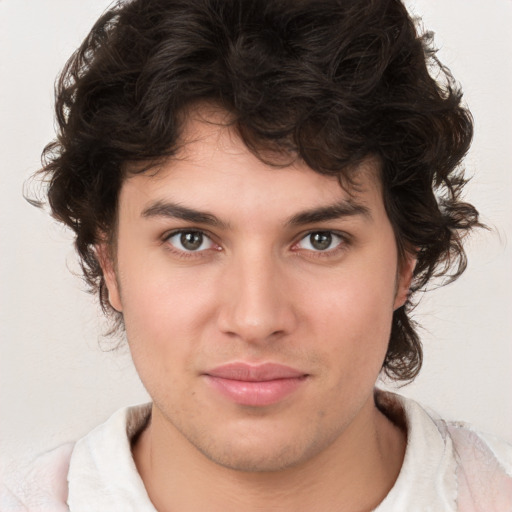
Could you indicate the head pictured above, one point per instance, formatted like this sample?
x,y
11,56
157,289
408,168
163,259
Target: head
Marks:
x,y
341,88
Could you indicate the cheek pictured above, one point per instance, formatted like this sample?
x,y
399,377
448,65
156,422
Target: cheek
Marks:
x,y
160,333
353,315
162,308
157,295
164,314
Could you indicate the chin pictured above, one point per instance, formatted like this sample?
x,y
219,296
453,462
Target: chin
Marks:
x,y
259,455
260,462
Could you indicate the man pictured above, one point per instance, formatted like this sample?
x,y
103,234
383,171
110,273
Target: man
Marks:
x,y
256,189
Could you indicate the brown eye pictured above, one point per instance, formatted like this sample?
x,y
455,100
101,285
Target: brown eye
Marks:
x,y
319,241
190,241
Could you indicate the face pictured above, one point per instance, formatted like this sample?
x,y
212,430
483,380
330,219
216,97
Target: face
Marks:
x,y
257,301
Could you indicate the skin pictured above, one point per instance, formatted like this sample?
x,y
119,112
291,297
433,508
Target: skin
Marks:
x,y
257,290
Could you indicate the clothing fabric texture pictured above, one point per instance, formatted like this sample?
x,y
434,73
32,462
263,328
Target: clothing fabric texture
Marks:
x,y
448,467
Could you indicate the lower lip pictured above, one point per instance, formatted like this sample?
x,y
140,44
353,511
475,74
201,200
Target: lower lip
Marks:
x,y
259,393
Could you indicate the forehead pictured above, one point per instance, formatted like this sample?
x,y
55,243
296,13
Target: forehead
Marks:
x,y
213,167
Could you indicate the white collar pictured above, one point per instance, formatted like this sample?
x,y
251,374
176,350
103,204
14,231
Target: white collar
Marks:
x,y
103,476
428,477
102,473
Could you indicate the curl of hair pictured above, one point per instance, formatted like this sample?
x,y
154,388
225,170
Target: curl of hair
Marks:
x,y
328,81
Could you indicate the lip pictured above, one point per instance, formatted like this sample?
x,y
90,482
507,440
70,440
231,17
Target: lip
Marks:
x,y
255,385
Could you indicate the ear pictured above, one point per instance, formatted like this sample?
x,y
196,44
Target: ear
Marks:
x,y
106,262
404,279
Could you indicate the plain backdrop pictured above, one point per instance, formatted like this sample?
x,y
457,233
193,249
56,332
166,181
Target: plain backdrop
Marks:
x,y
56,379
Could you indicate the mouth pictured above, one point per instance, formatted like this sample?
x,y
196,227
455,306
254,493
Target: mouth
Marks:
x,y
255,385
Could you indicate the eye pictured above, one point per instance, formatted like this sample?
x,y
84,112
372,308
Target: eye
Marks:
x,y
190,241
320,241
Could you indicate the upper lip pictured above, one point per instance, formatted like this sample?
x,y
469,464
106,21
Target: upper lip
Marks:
x,y
255,373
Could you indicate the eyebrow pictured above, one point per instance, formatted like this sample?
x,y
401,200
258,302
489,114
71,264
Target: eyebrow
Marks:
x,y
338,210
345,208
177,211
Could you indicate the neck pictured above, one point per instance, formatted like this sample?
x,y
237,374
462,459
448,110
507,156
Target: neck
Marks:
x,y
354,473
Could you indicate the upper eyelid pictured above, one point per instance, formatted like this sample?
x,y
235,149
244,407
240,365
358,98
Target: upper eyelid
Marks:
x,y
342,234
343,245
189,253
346,237
169,234
172,232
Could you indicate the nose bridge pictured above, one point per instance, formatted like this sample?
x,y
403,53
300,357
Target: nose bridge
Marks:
x,y
255,307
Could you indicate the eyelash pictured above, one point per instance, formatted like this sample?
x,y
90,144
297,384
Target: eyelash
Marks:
x,y
343,244
340,247
182,253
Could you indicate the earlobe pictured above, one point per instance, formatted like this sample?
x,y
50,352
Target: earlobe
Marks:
x,y
109,274
404,279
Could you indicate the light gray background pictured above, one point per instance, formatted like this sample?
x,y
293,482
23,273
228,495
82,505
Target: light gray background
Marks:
x,y
55,381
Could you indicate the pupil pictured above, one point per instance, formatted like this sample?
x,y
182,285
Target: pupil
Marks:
x,y
191,240
321,240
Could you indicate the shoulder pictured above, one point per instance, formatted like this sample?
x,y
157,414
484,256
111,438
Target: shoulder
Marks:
x,y
75,472
484,468
39,485
102,473
448,466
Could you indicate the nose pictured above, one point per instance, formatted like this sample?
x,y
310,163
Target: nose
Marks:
x,y
255,304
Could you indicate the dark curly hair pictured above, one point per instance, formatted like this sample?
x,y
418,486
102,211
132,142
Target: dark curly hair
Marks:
x,y
331,82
